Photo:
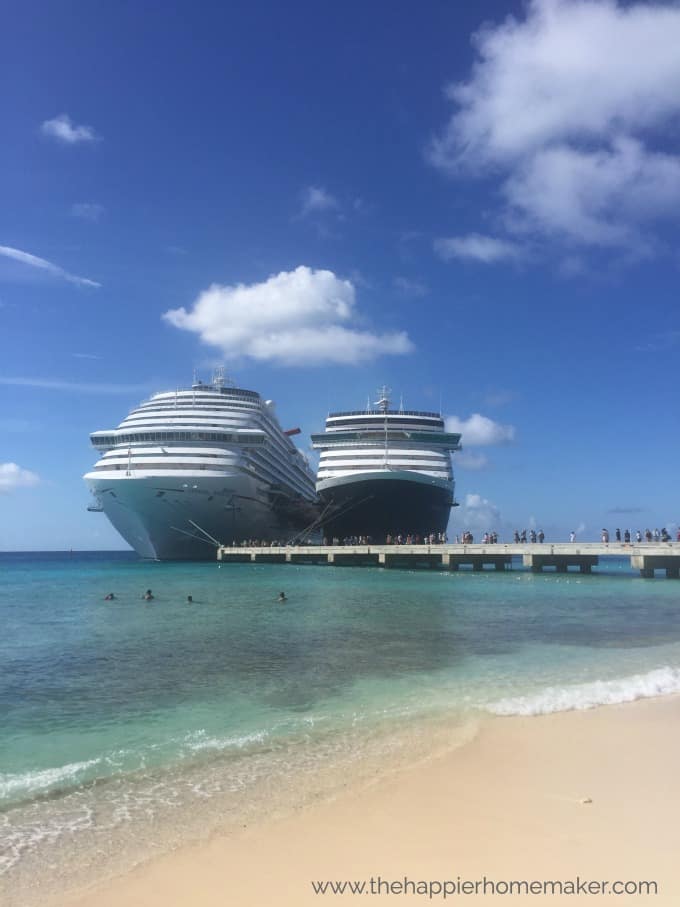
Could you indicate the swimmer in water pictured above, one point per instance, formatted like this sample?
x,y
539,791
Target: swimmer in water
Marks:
x,y
190,599
148,595
282,597
110,597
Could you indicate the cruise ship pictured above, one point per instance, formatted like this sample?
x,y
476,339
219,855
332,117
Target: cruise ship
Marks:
x,y
385,472
193,468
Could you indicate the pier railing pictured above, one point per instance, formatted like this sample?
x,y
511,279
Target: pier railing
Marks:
x,y
560,556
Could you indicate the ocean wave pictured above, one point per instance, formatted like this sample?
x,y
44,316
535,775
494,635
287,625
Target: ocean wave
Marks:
x,y
658,682
42,779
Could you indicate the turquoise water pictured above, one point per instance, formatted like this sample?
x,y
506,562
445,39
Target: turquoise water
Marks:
x,y
128,726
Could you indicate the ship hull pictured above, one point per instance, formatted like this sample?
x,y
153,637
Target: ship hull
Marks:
x,y
183,517
384,503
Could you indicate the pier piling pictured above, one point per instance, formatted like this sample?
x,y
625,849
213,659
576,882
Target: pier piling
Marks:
x,y
648,563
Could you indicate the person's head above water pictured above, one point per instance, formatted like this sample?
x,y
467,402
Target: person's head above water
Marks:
x,y
190,598
282,596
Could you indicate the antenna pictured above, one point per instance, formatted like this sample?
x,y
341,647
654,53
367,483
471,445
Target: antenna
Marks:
x,y
383,401
383,404
220,379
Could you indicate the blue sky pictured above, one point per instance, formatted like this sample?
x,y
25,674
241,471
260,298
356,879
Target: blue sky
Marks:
x,y
474,203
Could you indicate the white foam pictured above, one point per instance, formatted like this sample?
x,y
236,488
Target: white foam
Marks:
x,y
41,780
659,682
18,839
200,741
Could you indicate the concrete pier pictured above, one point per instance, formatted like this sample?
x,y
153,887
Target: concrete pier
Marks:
x,y
561,562
647,558
648,563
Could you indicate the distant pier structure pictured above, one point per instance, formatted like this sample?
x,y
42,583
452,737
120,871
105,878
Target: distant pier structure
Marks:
x,y
561,557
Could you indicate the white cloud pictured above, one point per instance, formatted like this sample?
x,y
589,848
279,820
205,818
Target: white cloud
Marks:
x,y
13,476
597,197
316,199
63,129
567,107
500,397
478,430
300,317
546,79
57,384
665,340
18,425
32,261
408,287
486,249
473,461
88,211
477,514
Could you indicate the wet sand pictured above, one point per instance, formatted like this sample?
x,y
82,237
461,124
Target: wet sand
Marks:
x,y
577,796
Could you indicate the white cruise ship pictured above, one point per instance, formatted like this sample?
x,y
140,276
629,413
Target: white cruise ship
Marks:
x,y
385,472
206,465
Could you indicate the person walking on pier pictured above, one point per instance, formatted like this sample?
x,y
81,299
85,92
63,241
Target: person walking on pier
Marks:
x,y
572,536
618,535
605,536
626,536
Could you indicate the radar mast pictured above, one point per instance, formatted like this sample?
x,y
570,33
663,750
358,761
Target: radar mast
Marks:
x,y
383,401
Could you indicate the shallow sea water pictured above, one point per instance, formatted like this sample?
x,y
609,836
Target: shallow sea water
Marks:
x,y
129,727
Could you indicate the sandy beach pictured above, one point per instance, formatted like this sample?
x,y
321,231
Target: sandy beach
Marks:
x,y
584,798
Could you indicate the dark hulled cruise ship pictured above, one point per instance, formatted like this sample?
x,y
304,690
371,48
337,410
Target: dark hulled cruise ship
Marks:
x,y
384,472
